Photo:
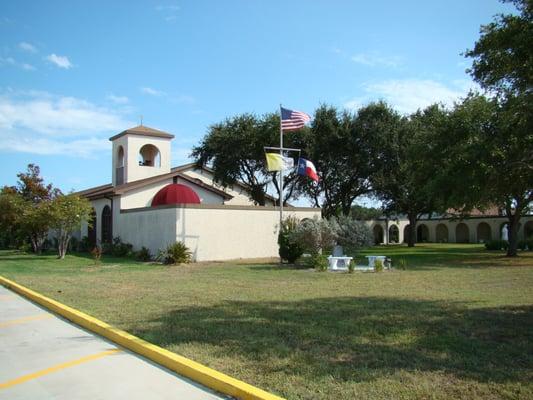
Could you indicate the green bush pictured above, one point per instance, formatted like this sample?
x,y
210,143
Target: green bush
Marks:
x,y
85,245
118,248
402,264
351,266
319,262
314,235
497,245
73,244
378,265
350,233
522,244
143,254
289,250
175,253
529,243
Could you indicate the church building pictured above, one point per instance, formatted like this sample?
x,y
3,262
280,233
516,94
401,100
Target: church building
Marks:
x,y
150,203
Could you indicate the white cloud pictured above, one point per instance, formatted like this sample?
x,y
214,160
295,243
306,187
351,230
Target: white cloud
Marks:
x,y
27,47
7,61
169,11
184,99
118,99
27,67
10,61
152,92
41,123
60,61
374,59
409,95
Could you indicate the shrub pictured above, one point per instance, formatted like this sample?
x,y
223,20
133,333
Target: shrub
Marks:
x,y
319,262
143,254
314,235
529,243
522,244
351,233
85,244
118,248
351,266
97,254
402,264
73,244
175,253
497,245
288,249
378,265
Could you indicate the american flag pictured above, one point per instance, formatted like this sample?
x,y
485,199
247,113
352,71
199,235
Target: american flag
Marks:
x,y
292,120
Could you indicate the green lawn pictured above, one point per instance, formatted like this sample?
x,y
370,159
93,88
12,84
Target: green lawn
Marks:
x,y
458,323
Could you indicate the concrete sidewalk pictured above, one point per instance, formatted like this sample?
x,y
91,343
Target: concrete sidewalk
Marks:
x,y
45,357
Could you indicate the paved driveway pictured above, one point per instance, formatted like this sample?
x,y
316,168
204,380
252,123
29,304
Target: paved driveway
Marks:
x,y
45,357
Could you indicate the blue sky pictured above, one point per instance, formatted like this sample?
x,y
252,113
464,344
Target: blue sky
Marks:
x,y
72,74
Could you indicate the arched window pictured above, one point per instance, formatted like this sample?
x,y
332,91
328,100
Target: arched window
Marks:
x,y
120,157
394,234
107,225
484,233
422,233
442,233
91,232
378,234
462,233
149,156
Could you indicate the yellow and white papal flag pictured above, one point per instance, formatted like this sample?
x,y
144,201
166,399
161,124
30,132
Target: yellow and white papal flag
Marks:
x,y
277,162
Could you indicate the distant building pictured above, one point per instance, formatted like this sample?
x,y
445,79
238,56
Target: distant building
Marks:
x,y
478,227
151,204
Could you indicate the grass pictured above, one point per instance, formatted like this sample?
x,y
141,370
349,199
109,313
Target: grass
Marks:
x,y
458,323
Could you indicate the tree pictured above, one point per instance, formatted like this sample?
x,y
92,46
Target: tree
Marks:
x,y
11,204
235,150
406,180
351,233
32,188
503,55
503,65
28,206
484,144
363,213
67,212
343,153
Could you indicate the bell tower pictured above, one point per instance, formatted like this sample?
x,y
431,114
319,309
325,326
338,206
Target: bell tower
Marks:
x,y
138,153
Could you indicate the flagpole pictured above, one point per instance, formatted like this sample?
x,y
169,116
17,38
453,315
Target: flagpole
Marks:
x,y
280,172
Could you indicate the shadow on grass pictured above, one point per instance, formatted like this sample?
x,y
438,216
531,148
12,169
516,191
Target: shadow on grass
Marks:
x,y
359,339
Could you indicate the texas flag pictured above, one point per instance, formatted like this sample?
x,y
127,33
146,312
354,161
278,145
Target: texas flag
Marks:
x,y
307,168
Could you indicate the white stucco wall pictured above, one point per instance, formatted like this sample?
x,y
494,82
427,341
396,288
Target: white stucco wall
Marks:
x,y
210,232
153,228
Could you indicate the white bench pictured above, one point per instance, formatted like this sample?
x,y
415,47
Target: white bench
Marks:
x,y
339,263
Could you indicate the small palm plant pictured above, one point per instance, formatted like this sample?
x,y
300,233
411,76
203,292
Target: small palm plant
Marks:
x,y
175,253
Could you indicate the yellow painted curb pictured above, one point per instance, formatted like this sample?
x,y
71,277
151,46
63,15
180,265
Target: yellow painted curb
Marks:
x,y
183,366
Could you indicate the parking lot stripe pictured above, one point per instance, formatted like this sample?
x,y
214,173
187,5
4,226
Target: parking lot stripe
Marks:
x,y
55,368
25,319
